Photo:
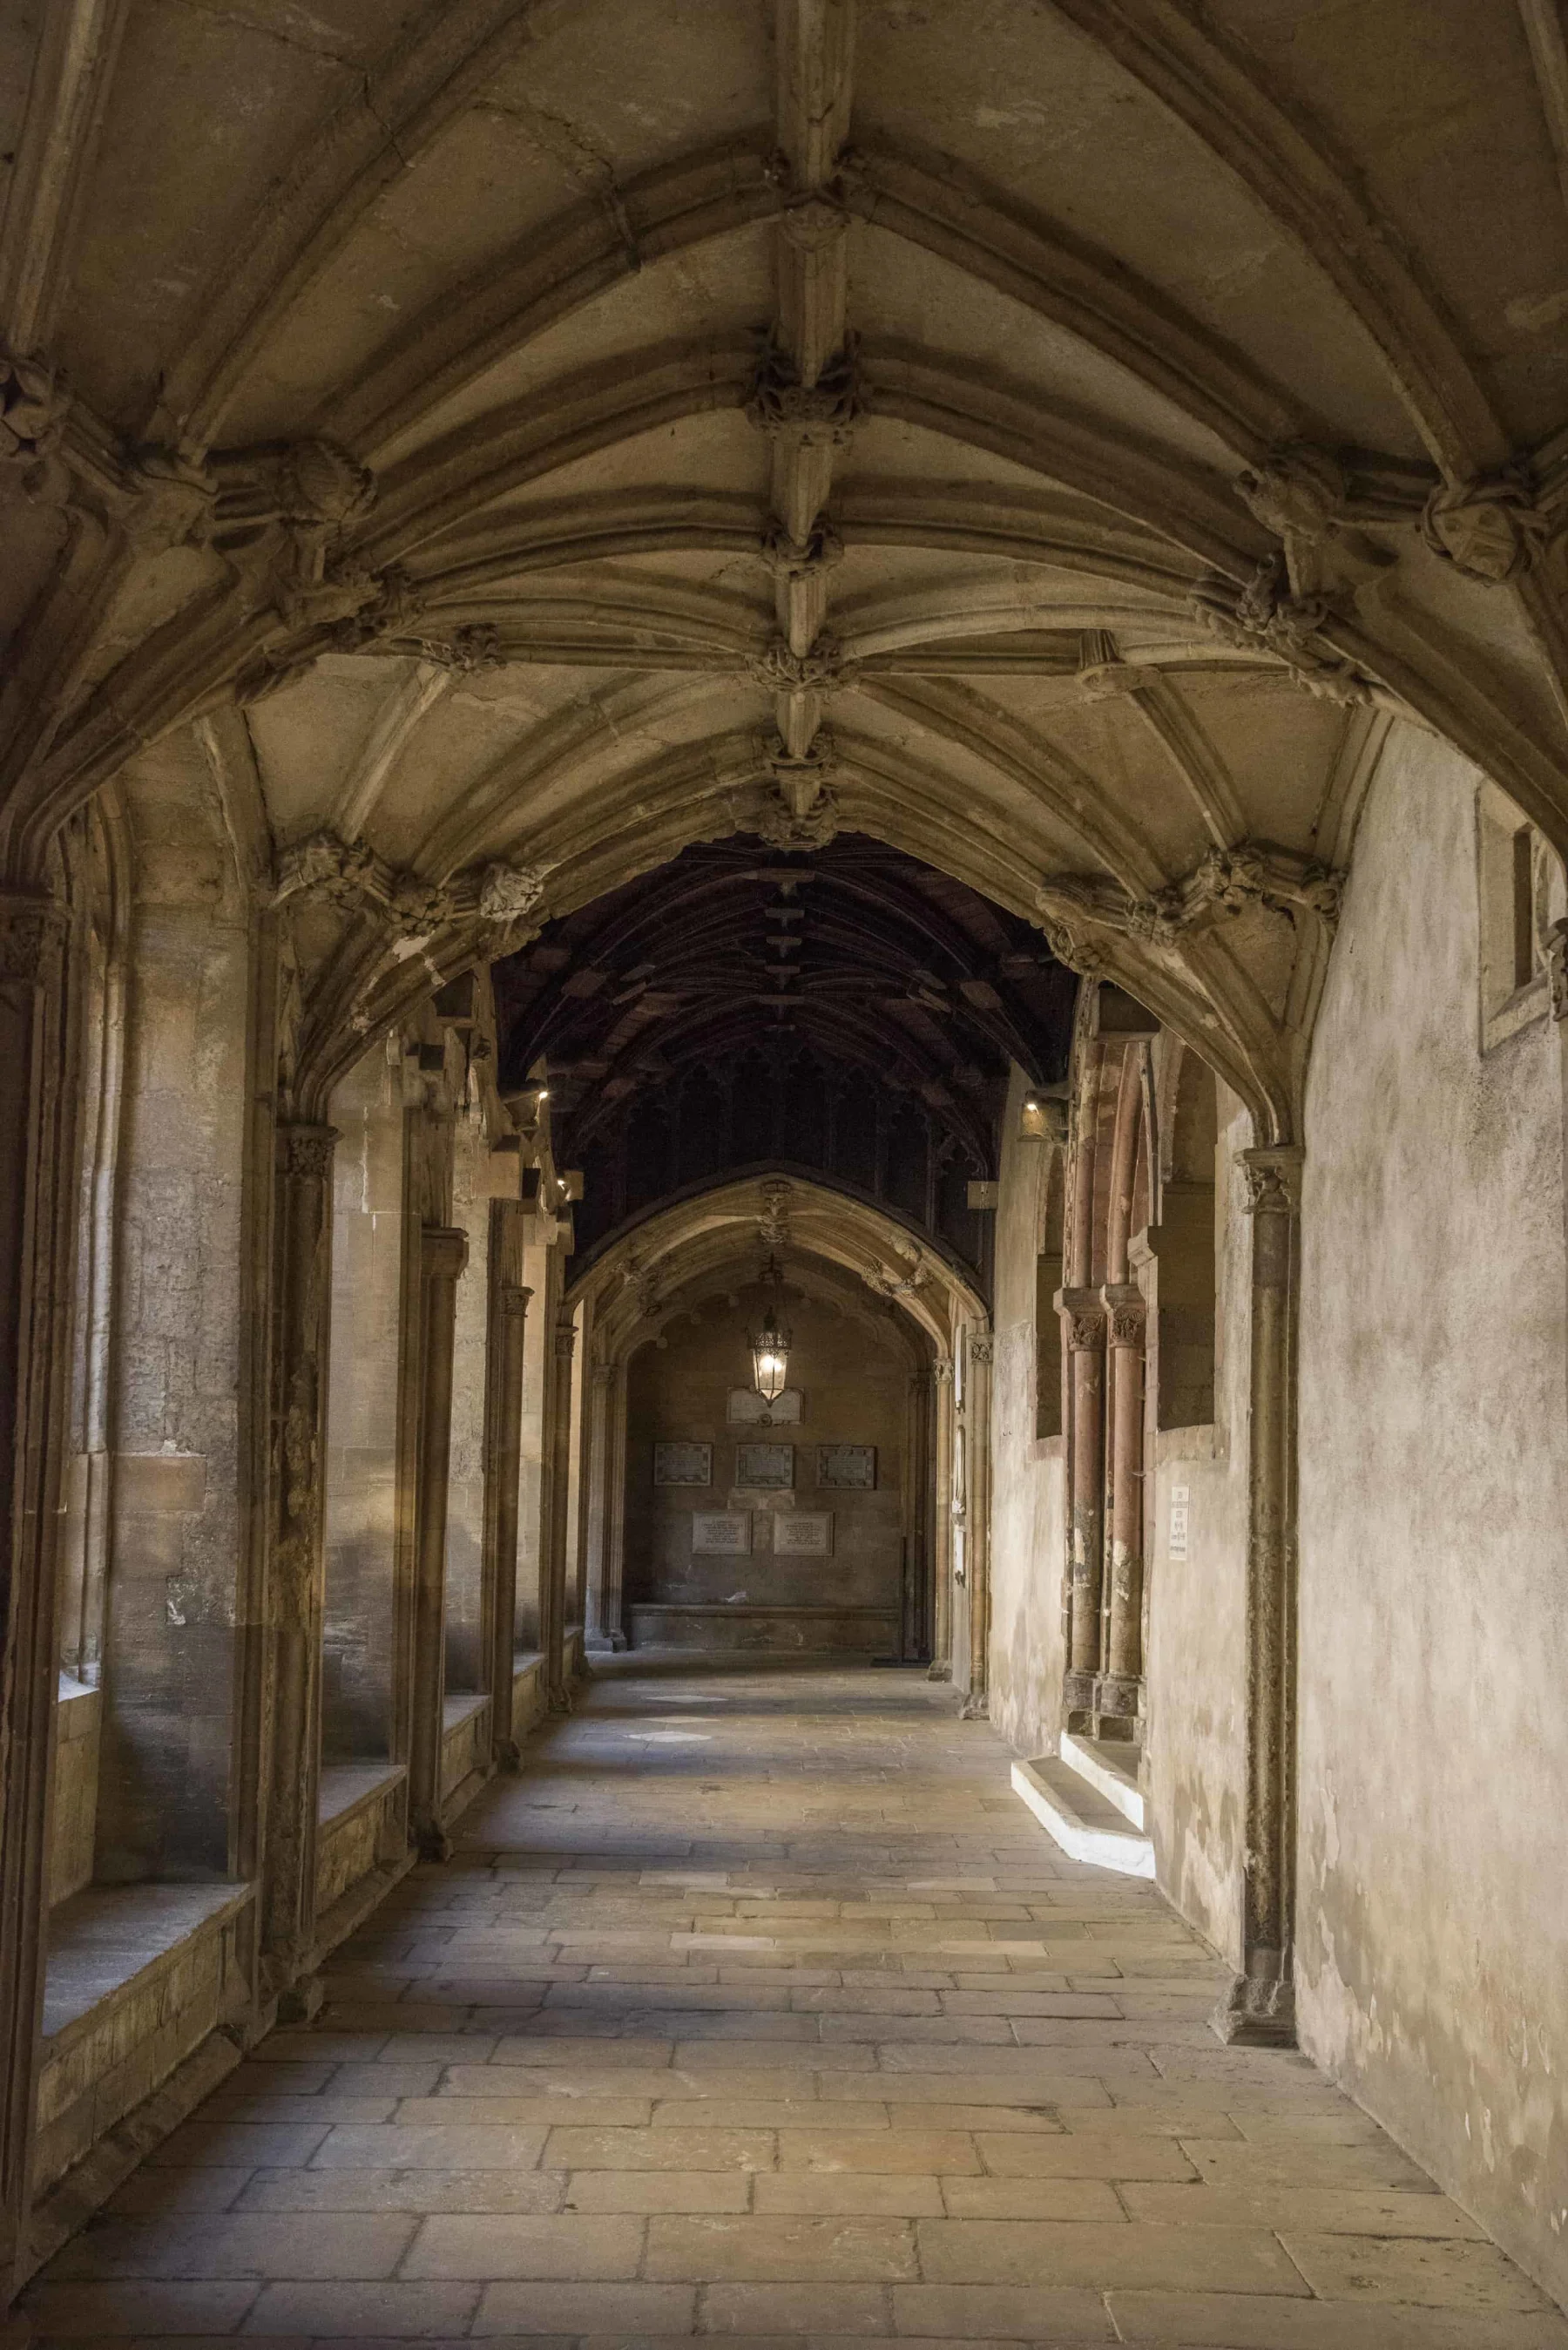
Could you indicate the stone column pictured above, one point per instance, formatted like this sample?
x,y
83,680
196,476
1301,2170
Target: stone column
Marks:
x,y
1260,2006
37,1194
501,1469
553,1583
941,1666
302,1261
977,1549
1083,1332
444,1254
603,1628
1117,1695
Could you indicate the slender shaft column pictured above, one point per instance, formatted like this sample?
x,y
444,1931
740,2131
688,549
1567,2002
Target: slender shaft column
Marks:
x,y
37,1190
302,1245
602,1627
553,1583
977,1416
444,1254
1260,2006
504,1455
1083,1332
940,1668
1120,1684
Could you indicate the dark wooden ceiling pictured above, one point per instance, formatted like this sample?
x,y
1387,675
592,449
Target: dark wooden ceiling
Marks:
x,y
824,1009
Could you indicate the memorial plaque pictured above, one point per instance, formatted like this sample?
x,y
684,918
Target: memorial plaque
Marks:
x,y
749,1410
682,1465
848,1465
726,1532
764,1465
1176,1544
809,1533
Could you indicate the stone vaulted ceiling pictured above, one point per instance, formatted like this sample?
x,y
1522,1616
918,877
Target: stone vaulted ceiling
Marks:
x,y
491,447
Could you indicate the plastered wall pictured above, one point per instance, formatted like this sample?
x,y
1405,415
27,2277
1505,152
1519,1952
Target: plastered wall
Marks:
x,y
855,1390
1433,1963
1026,1504
1196,1662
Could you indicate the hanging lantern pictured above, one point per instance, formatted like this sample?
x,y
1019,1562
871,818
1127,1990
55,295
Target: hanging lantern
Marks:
x,y
770,1344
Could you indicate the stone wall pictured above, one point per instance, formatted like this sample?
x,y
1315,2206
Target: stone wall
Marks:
x,y
856,1391
465,1489
1434,1492
168,1667
1027,1539
368,1242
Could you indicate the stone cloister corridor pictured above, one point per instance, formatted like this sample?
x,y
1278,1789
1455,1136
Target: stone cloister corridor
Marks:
x,y
759,2010
783,1172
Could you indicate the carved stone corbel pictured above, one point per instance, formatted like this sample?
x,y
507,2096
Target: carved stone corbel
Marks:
x,y
1265,616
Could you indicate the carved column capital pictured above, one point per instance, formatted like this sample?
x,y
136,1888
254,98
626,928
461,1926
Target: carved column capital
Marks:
x,y
444,1251
1272,1176
305,1152
566,1341
601,1374
32,937
1126,1312
943,1372
515,1301
1082,1313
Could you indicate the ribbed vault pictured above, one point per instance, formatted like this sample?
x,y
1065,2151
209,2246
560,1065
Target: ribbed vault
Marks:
x,y
500,448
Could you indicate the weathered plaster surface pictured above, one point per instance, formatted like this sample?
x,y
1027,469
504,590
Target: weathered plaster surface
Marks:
x,y
1197,1606
1027,1528
1433,1963
465,1492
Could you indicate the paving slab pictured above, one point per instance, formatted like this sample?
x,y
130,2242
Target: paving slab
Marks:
x,y
836,2052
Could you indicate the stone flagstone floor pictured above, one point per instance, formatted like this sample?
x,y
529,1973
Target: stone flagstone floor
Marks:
x,y
759,2008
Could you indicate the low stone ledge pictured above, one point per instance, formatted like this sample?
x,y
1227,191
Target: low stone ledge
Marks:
x,y
139,1976
717,1626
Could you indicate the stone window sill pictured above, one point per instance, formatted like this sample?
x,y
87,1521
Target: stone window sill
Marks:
x,y
102,1941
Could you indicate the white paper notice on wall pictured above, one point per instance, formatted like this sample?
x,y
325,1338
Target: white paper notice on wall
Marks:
x,y
1176,1546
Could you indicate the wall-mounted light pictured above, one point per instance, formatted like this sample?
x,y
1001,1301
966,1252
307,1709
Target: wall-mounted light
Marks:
x,y
771,1345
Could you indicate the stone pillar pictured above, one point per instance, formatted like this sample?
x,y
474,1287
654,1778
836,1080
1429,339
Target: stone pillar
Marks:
x,y
444,1254
37,1195
1084,1332
603,1471
302,1260
502,1451
942,1664
1260,2006
977,1549
1119,1690
553,1583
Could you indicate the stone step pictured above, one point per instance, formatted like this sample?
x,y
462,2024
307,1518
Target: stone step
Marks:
x,y
1111,1765
1085,1824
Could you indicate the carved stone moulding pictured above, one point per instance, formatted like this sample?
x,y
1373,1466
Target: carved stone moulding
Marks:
x,y
1490,529
1271,1173
33,931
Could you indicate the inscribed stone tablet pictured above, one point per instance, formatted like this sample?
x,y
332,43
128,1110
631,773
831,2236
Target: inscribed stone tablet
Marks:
x,y
846,1464
682,1465
727,1532
765,1464
808,1532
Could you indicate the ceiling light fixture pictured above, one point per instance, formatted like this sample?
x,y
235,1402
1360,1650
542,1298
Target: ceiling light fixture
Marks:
x,y
771,1345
